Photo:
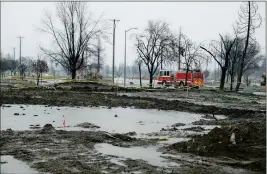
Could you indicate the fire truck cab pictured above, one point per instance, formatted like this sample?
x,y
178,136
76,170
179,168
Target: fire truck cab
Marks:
x,y
164,77
168,78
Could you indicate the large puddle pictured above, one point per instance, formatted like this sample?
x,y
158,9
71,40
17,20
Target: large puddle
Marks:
x,y
10,165
151,156
127,120
147,154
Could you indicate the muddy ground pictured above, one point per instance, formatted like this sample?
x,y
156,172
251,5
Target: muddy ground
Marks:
x,y
72,152
59,151
249,145
218,102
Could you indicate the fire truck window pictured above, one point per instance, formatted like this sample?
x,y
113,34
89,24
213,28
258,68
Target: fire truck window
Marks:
x,y
168,73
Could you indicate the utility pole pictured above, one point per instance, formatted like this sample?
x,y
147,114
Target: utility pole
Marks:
x,y
125,55
14,53
161,60
113,61
179,50
20,38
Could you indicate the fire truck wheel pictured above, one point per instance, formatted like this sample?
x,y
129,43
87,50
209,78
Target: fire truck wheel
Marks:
x,y
181,84
164,83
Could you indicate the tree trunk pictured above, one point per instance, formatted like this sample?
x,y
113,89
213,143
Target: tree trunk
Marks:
x,y
240,73
140,74
227,77
150,79
223,70
41,77
98,61
186,76
232,78
38,78
73,74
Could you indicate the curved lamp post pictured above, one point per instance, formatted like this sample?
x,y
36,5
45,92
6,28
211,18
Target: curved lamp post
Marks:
x,y
125,55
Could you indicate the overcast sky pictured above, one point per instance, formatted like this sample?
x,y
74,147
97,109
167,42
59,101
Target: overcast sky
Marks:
x,y
200,21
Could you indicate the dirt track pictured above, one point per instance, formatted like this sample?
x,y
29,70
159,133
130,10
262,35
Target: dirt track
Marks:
x,y
239,108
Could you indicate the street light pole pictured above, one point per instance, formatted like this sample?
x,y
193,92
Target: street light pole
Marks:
x,y
14,53
125,56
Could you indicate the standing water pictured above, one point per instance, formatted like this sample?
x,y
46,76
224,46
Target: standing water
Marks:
x,y
20,117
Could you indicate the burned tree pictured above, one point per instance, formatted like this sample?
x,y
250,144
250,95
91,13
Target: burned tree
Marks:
x,y
222,50
73,37
153,45
249,20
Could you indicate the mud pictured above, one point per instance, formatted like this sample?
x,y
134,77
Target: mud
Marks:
x,y
250,144
195,129
87,125
60,151
81,98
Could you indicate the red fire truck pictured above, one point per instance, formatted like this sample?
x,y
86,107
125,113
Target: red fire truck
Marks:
x,y
168,78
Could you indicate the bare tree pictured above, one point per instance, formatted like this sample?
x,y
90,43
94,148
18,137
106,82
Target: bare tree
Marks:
x,y
235,55
10,63
191,55
99,54
107,70
119,71
73,37
97,51
252,61
177,49
3,66
249,20
13,65
206,73
221,49
139,63
39,67
25,66
153,45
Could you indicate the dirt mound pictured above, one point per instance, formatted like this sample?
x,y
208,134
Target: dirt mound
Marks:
x,y
195,129
131,133
123,137
87,125
178,124
244,141
48,128
206,122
